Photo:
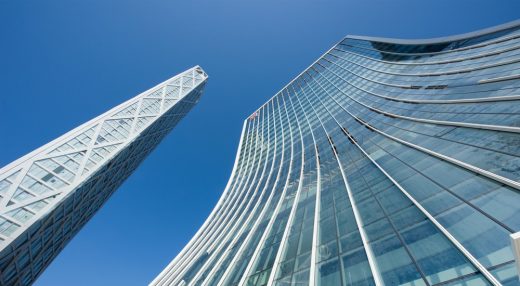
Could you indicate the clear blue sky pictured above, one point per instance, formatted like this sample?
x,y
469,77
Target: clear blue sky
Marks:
x,y
64,62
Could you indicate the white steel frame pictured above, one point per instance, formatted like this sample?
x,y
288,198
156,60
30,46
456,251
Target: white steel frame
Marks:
x,y
167,94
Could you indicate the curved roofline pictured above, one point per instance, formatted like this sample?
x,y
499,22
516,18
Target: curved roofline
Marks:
x,y
438,40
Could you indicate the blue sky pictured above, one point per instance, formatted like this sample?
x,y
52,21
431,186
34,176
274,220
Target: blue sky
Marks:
x,y
64,62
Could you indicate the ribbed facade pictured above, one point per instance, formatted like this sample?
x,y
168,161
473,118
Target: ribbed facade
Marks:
x,y
47,196
386,162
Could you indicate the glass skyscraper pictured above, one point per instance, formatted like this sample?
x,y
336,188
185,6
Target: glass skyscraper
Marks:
x,y
386,162
48,195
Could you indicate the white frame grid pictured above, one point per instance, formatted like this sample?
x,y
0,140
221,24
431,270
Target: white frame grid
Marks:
x,y
36,184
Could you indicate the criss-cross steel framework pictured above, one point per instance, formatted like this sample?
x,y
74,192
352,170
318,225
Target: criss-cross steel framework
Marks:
x,y
47,195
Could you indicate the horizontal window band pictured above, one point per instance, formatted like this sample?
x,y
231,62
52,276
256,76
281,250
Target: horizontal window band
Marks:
x,y
497,79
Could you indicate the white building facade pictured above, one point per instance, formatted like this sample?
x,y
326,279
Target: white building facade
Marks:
x,y
49,194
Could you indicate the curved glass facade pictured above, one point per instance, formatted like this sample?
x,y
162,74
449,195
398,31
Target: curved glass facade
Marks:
x,y
47,196
386,162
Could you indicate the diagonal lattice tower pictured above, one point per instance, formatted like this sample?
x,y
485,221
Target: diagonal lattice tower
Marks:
x,y
49,194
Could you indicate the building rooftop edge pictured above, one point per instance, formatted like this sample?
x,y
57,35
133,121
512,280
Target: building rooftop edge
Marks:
x,y
439,40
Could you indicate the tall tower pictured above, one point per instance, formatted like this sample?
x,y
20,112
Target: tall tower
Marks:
x,y
386,162
49,194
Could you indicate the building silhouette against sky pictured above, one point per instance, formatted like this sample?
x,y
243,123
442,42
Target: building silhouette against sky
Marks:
x,y
49,194
386,162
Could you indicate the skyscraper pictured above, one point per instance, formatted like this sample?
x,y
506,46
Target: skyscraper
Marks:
x,y
386,162
50,193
